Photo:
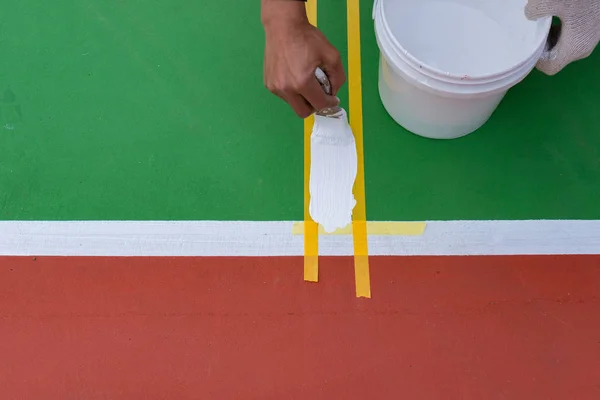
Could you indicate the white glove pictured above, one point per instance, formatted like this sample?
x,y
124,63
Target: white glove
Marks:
x,y
576,38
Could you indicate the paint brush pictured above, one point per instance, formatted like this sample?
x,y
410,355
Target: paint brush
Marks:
x,y
333,165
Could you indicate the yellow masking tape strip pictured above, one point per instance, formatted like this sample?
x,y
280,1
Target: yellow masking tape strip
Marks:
x,y
311,228
311,11
373,228
359,224
362,276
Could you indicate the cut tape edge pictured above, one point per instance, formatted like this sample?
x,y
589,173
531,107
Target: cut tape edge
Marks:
x,y
374,228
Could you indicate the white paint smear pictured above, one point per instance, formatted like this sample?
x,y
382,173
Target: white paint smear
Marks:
x,y
332,172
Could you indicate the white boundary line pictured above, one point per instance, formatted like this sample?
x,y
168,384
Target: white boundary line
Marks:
x,y
274,238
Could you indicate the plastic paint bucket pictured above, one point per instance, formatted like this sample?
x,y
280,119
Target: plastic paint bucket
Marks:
x,y
445,65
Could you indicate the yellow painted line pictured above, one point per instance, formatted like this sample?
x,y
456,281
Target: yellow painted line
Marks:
x,y
311,228
381,228
359,217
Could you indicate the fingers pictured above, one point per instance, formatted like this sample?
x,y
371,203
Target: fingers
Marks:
x,y
306,97
550,62
298,103
334,69
541,8
312,91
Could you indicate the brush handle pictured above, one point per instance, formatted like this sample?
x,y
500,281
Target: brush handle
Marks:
x,y
326,86
323,80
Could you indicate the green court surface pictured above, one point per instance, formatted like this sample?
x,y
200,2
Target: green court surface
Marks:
x,y
155,110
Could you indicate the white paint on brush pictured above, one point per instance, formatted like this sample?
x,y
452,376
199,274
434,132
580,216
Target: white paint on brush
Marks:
x,y
275,238
333,168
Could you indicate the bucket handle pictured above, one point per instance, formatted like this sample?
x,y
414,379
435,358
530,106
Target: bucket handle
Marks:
x,y
375,4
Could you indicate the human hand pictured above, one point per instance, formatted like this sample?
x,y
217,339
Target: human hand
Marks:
x,y
575,39
293,51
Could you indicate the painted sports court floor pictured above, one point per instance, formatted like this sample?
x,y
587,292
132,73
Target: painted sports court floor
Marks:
x,y
151,209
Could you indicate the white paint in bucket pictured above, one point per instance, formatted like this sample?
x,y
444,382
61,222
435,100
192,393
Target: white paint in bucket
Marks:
x,y
445,65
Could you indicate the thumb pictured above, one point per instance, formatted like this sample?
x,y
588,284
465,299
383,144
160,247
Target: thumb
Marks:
x,y
541,8
556,57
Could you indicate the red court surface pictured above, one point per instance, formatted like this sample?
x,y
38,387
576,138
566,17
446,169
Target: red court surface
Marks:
x,y
250,328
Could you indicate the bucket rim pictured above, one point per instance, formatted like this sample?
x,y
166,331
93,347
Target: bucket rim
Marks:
x,y
424,68
448,88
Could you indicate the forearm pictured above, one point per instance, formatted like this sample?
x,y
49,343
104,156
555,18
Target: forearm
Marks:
x,y
274,12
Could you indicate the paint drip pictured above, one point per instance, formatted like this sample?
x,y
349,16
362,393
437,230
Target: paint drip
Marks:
x,y
332,171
